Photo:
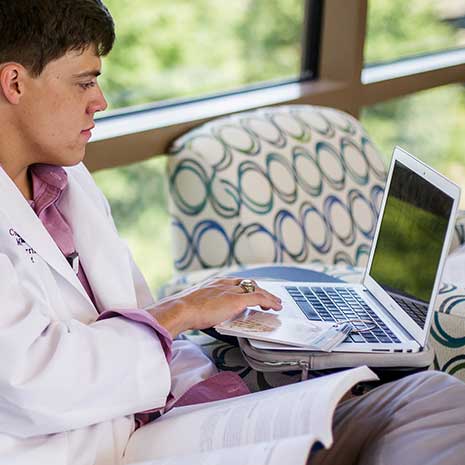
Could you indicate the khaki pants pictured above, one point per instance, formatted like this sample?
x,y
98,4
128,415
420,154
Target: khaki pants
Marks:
x,y
419,420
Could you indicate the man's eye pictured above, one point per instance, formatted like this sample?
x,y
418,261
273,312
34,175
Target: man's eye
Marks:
x,y
87,85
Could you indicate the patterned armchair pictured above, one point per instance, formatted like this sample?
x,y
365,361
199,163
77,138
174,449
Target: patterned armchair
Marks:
x,y
280,185
298,185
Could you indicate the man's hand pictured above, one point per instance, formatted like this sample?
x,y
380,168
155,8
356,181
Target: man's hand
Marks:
x,y
209,304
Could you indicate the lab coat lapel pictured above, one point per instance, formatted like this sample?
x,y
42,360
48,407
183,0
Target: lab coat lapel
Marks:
x,y
26,224
101,251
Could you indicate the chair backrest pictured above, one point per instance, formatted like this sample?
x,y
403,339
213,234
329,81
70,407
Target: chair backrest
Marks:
x,y
289,184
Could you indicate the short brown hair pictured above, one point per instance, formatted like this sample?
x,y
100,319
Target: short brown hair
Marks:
x,y
36,32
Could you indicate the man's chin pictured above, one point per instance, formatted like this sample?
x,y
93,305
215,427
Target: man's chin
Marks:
x,y
74,159
64,162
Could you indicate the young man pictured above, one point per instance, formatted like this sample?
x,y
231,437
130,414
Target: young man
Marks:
x,y
86,349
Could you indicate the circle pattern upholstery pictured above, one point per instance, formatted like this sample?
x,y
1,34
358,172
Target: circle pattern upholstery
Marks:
x,y
288,184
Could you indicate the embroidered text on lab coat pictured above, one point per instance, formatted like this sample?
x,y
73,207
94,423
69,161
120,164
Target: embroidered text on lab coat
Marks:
x,y
22,243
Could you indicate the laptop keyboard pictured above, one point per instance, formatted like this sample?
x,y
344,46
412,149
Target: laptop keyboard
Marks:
x,y
341,304
416,310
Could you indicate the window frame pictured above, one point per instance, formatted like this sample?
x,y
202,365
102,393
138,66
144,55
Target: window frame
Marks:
x,y
333,73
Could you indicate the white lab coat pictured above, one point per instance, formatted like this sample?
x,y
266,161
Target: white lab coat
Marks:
x,y
68,384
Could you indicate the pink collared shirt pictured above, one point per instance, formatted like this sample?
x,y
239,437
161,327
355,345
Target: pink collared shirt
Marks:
x,y
48,183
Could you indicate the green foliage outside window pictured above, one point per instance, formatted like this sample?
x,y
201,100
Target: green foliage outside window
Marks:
x,y
399,28
183,48
429,124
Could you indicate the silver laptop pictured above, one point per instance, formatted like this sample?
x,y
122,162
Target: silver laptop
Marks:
x,y
392,309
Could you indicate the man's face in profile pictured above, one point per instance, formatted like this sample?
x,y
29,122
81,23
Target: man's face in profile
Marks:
x,y
58,108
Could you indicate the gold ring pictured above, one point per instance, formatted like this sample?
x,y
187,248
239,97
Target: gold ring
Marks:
x,y
248,285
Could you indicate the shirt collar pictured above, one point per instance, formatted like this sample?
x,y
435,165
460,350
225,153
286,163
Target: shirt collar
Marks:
x,y
51,175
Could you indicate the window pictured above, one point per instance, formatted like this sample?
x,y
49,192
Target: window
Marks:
x,y
428,124
398,28
182,48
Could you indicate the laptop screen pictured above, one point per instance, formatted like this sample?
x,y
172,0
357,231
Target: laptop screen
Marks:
x,y
410,240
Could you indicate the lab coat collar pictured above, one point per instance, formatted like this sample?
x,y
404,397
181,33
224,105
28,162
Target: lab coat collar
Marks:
x,y
27,225
103,254
105,257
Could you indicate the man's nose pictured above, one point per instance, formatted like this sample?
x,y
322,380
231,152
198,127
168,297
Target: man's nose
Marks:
x,y
98,103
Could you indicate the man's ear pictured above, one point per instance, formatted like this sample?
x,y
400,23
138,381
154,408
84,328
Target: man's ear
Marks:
x,y
12,76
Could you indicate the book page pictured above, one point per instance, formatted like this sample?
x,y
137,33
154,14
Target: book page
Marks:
x,y
294,451
304,408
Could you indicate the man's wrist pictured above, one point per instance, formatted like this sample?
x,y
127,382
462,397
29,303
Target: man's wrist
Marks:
x,y
171,315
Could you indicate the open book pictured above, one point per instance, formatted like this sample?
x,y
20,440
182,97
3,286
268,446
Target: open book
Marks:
x,y
265,428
